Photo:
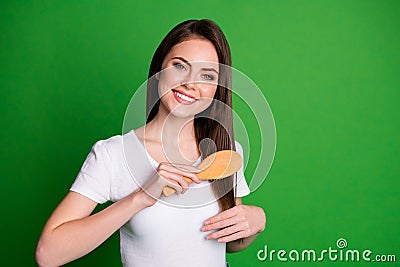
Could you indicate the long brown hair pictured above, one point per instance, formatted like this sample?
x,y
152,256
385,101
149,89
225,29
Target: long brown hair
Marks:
x,y
212,123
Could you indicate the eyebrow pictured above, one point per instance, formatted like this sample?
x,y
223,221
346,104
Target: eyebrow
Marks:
x,y
187,62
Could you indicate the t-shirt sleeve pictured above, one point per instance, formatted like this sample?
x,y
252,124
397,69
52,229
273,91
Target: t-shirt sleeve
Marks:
x,y
94,177
242,189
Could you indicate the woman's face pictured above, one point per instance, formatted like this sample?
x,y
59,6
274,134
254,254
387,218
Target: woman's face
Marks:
x,y
189,77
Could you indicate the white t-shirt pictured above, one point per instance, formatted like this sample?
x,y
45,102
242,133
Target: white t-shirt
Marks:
x,y
167,233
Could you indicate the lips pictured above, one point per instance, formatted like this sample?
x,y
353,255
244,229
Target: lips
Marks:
x,y
183,98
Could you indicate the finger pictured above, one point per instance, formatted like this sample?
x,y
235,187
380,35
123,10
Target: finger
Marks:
x,y
170,168
185,167
232,237
222,224
175,178
226,231
221,216
192,176
182,182
178,189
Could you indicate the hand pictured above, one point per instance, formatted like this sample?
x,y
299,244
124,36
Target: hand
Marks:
x,y
167,175
238,222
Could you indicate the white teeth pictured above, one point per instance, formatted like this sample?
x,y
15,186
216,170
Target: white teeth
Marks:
x,y
184,97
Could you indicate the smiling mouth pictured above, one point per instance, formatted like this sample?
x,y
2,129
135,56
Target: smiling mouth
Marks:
x,y
182,98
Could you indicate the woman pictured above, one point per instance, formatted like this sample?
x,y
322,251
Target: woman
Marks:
x,y
182,113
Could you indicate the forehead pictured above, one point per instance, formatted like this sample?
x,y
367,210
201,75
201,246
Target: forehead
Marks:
x,y
194,50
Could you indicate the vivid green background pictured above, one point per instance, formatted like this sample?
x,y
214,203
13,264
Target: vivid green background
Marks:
x,y
329,69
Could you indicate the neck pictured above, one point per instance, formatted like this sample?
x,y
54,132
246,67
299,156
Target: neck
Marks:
x,y
175,134
167,128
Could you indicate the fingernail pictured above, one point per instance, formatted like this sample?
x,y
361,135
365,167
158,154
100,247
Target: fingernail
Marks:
x,y
203,228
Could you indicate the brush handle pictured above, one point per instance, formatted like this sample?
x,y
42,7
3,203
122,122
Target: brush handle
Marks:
x,y
167,190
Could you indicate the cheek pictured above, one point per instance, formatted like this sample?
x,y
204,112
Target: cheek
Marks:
x,y
207,93
207,90
168,80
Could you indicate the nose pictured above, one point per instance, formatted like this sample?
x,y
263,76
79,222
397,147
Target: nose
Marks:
x,y
189,83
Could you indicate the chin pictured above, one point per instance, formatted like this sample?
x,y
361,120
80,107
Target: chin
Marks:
x,y
183,111
179,112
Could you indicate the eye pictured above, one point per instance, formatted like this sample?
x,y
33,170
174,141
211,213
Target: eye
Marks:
x,y
179,66
208,77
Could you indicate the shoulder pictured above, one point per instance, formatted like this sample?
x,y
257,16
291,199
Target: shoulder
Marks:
x,y
242,189
111,142
238,147
112,145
